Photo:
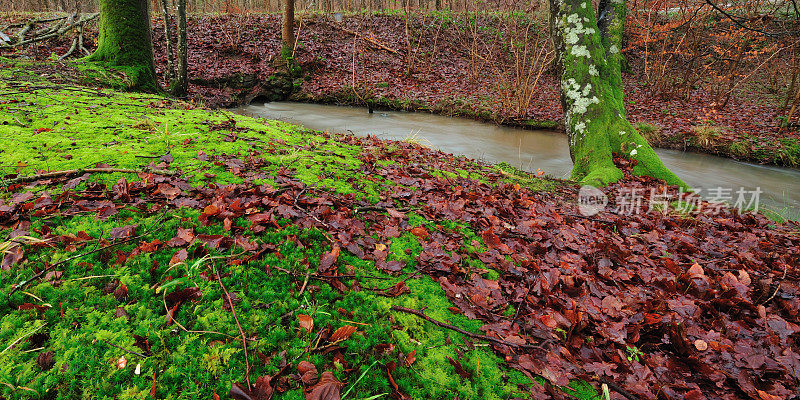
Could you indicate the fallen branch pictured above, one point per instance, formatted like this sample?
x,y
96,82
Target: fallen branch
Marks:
x,y
73,172
368,39
50,33
461,331
244,338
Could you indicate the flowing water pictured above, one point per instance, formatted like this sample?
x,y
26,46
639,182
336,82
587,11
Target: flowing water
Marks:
x,y
532,150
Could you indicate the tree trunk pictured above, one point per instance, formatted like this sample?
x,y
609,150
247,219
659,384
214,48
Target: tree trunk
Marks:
x,y
170,73
288,24
588,60
181,86
125,41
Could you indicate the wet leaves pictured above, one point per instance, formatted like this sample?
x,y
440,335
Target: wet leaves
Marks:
x,y
641,300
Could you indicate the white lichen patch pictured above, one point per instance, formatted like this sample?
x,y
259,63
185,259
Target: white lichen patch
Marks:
x,y
580,51
573,29
593,70
578,96
634,152
613,49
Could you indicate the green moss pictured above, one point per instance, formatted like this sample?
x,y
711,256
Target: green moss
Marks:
x,y
65,127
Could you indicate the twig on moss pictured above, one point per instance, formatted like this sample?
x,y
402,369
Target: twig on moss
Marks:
x,y
158,225
123,349
23,337
462,331
238,325
73,172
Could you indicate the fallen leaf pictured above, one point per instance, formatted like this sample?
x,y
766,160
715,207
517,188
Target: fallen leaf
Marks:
x,y
306,322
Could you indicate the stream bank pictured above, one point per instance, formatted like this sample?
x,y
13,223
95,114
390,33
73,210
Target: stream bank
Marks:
x,y
231,63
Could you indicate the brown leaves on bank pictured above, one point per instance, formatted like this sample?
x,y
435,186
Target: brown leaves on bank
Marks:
x,y
658,304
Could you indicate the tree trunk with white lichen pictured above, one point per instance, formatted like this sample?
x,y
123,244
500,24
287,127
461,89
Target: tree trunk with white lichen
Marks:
x,y
589,63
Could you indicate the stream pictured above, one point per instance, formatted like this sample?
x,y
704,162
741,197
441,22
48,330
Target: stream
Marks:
x,y
531,150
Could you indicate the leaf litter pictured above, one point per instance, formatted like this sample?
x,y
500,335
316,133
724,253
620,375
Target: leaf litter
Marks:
x,y
655,304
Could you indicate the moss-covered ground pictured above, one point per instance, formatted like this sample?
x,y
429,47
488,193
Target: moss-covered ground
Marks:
x,y
99,329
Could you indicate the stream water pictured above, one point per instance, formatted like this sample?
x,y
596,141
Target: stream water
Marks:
x,y
531,150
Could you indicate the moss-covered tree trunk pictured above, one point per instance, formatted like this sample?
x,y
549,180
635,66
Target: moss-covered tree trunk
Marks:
x,y
125,41
589,60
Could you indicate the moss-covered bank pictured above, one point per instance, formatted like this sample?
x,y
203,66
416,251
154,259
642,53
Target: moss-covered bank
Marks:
x,y
99,329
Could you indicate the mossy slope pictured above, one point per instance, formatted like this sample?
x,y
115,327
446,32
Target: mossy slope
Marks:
x,y
88,324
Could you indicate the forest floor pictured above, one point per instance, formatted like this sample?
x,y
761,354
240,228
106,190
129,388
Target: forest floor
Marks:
x,y
183,233
232,57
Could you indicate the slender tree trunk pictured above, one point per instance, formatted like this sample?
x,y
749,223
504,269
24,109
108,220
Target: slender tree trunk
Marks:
x,y
588,60
181,86
288,24
170,73
125,41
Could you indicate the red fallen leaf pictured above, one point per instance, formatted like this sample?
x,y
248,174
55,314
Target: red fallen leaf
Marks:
x,y
179,257
306,322
40,130
308,373
261,390
184,237
183,295
171,192
549,321
12,257
31,306
154,387
394,213
328,388
696,271
342,333
122,232
208,211
149,247
215,241
396,290
419,231
493,242
121,292
411,358
459,369
650,319
328,259
602,368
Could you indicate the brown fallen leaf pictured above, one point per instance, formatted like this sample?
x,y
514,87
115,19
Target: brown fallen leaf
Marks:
x,y
342,333
306,322
328,388
329,259
411,358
